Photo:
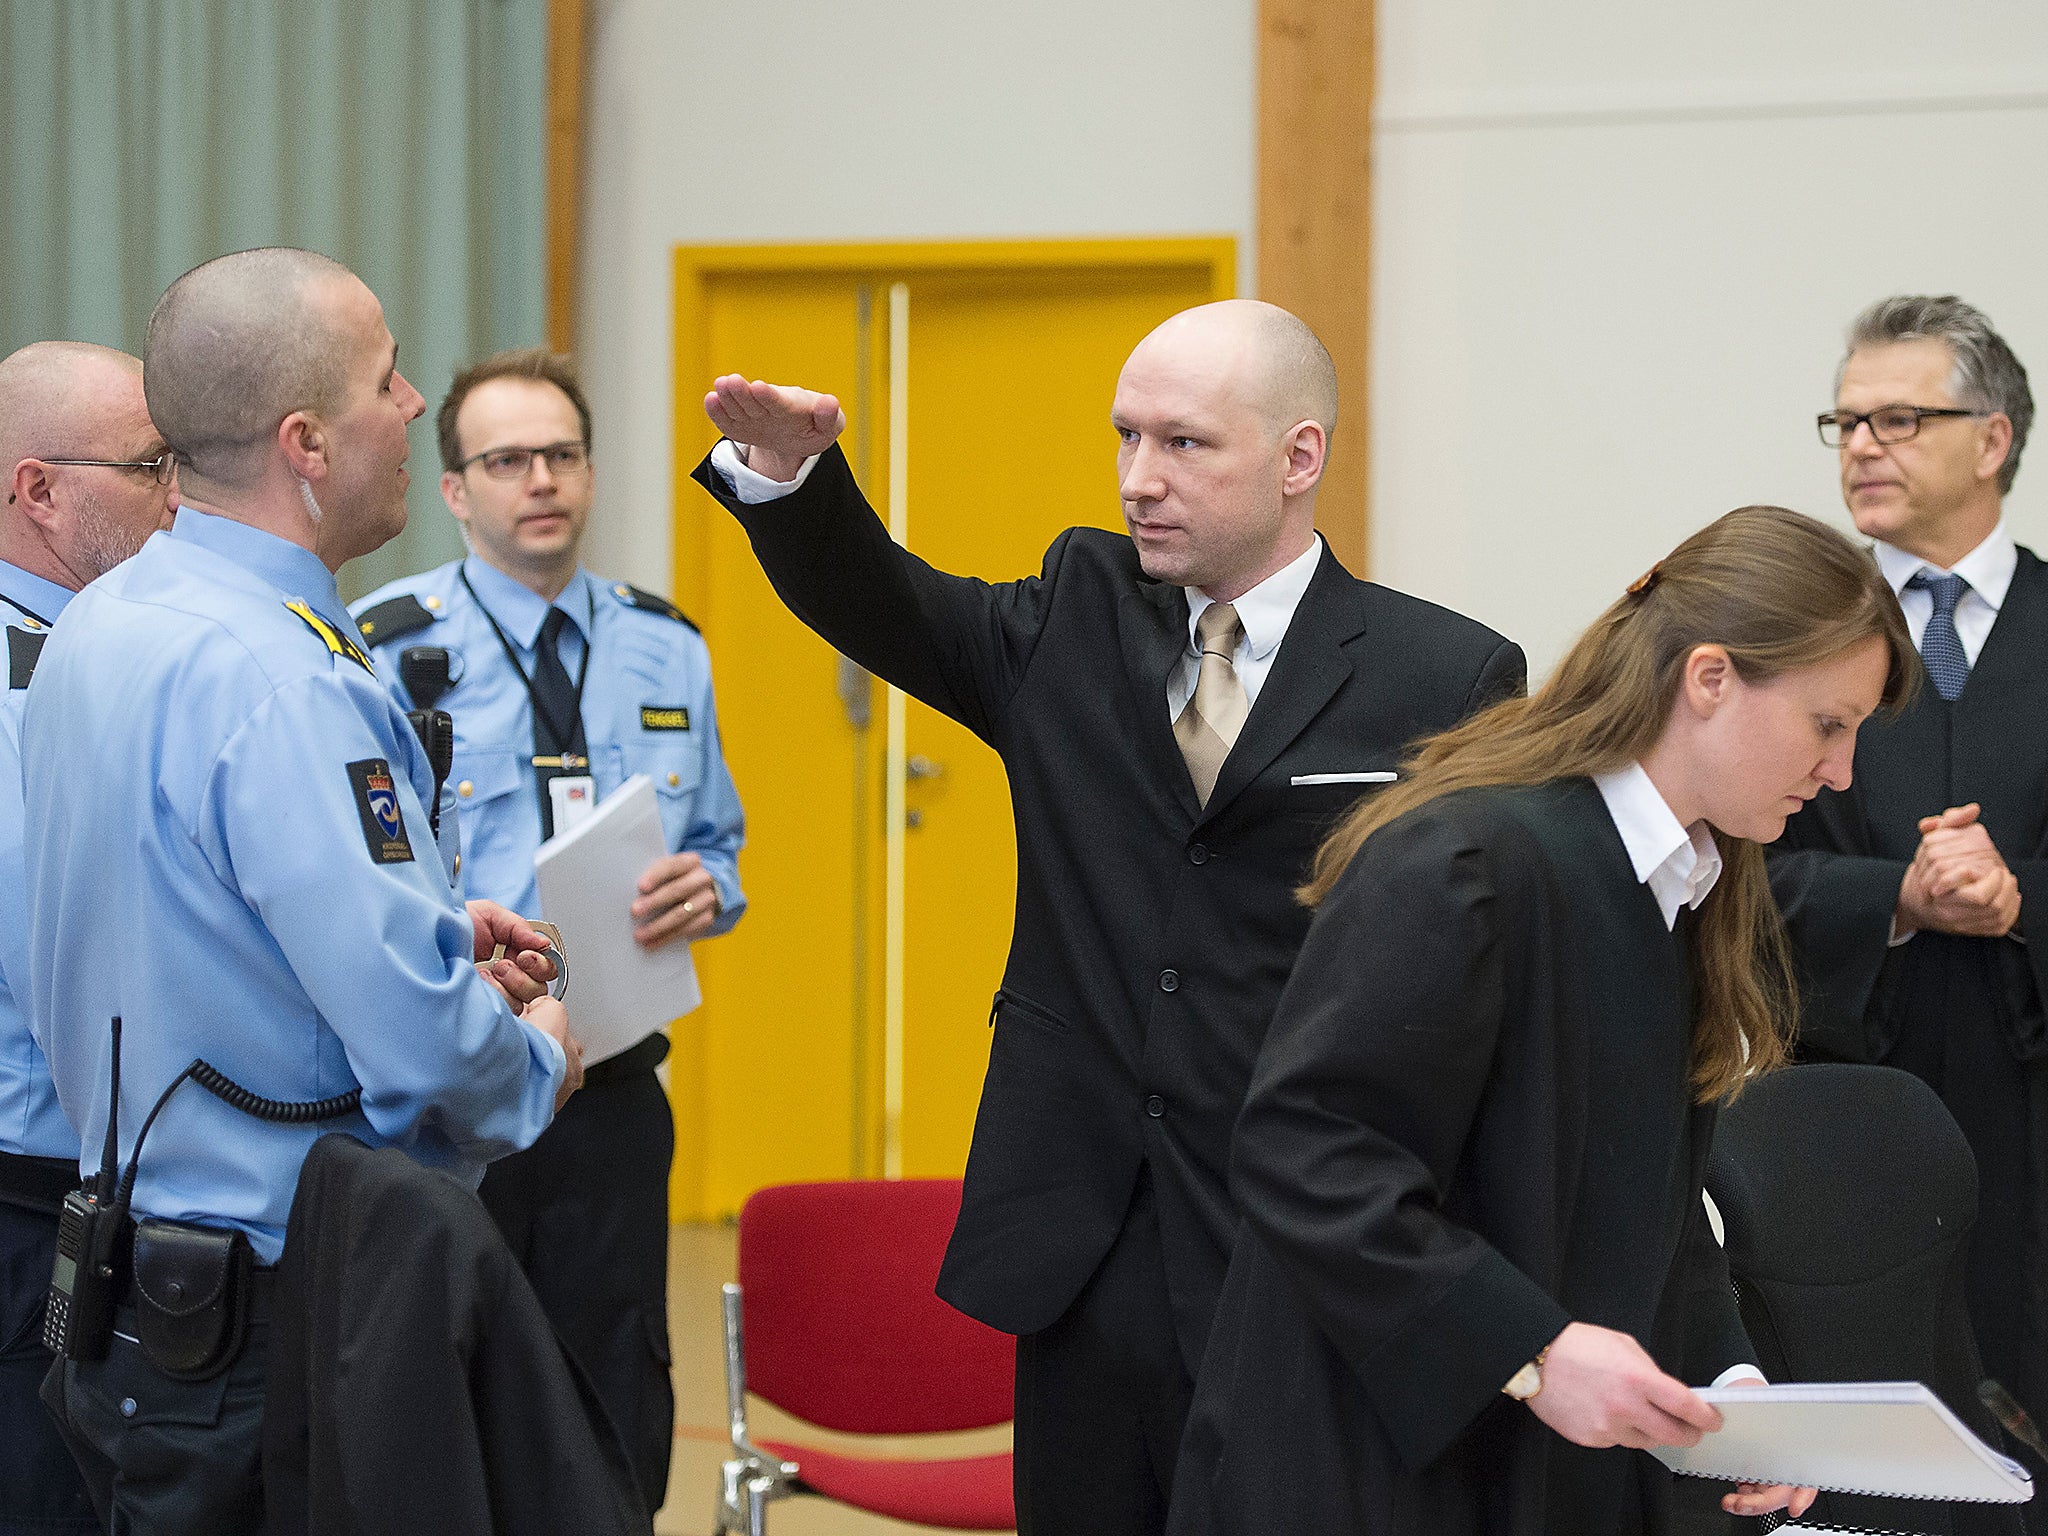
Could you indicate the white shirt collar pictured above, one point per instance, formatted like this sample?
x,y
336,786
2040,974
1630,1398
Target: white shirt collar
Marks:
x,y
1988,568
1678,864
1267,609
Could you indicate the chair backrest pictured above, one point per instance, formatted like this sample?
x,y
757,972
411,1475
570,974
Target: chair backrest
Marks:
x,y
1848,1194
843,1328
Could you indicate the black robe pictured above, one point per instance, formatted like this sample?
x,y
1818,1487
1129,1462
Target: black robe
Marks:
x,y
1470,1125
1964,1014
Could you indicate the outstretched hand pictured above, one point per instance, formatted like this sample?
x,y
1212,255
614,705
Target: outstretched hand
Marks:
x,y
780,424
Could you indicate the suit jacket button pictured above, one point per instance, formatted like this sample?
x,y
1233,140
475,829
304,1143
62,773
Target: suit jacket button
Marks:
x,y
1155,1106
1169,981
1198,854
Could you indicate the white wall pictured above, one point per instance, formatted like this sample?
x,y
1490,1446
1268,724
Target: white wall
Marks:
x,y
1615,248
813,120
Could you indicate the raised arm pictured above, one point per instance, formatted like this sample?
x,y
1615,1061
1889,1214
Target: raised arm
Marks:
x,y
957,643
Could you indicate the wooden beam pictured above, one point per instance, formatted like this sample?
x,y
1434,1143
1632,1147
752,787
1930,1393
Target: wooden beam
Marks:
x,y
1315,218
565,165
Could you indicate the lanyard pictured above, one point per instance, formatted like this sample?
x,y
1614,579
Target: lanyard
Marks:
x,y
582,675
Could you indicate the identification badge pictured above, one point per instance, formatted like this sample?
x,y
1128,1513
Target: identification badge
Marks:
x,y
664,717
573,797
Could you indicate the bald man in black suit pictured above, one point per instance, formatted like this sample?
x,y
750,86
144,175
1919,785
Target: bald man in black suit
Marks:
x,y
1182,713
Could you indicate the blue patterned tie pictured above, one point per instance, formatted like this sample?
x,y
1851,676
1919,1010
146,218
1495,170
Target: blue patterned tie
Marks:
x,y
1940,646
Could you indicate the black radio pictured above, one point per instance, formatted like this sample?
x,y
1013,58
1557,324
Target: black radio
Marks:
x,y
78,1320
95,1238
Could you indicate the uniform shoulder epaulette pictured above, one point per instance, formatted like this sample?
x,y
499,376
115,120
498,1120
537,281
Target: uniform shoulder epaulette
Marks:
x,y
24,647
394,619
633,597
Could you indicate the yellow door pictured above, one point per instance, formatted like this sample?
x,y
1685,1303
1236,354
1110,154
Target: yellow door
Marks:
x,y
843,1030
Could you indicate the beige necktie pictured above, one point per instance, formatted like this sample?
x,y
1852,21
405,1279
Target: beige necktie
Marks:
x,y
1208,726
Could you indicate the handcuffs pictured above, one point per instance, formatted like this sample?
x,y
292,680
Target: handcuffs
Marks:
x,y
559,987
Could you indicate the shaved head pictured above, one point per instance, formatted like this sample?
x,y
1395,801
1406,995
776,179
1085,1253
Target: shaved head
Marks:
x,y
70,522
238,344
1224,416
1261,354
70,400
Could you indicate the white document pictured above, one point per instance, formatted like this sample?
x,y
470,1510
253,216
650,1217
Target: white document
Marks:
x,y
1344,778
619,993
1894,1438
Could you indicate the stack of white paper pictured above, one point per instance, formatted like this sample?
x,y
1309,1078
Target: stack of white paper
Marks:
x,y
619,993
1894,1438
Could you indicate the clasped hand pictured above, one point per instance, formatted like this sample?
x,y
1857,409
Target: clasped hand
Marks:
x,y
1601,1388
1957,882
523,976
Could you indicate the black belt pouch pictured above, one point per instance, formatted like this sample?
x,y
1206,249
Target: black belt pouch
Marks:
x,y
191,1296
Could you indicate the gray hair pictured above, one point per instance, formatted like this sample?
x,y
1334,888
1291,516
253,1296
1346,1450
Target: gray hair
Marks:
x,y
1985,377
238,344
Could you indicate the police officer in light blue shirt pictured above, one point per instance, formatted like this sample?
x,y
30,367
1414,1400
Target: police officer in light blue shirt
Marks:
x,y
86,479
227,847
562,686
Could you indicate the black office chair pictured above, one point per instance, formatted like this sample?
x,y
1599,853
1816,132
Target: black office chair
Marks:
x,y
1848,1194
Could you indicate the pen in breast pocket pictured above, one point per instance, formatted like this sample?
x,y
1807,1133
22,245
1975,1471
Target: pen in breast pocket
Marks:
x,y
1344,778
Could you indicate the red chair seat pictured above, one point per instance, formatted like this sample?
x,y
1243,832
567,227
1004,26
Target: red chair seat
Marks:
x,y
967,1493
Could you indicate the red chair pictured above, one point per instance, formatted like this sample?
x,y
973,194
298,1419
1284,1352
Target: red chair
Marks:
x,y
842,1330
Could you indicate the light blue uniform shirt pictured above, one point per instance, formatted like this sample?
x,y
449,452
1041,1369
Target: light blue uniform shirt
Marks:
x,y
31,1123
226,846
647,708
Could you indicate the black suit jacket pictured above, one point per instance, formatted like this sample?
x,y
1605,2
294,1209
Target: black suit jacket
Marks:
x,y
1152,935
1471,1124
1965,1014
413,1381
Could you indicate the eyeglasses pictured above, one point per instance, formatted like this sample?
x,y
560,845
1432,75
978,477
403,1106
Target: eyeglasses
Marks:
x,y
160,468
517,463
1888,423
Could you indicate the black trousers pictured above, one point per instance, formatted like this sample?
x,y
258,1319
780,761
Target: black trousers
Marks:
x,y
585,1210
164,1457
41,1490
1102,1397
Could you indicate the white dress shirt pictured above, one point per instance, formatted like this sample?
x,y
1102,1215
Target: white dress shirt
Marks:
x,y
1265,611
1988,569
1678,864
750,485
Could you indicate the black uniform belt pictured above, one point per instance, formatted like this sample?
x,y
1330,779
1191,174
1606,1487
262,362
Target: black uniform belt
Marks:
x,y
37,1183
644,1057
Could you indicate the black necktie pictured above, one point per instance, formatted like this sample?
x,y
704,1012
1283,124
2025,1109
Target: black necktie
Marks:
x,y
557,718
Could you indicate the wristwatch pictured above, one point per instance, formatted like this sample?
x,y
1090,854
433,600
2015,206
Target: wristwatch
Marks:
x,y
1528,1381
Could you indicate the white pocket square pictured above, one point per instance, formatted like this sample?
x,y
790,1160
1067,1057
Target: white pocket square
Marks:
x,y
1344,778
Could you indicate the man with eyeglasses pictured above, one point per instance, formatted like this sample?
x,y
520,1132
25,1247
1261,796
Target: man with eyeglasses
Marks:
x,y
87,480
1918,898
562,686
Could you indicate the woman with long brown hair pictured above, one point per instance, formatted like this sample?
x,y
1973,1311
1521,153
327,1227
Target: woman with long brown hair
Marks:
x,y
1474,1266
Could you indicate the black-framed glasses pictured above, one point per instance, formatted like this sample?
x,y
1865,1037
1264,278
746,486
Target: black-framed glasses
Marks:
x,y
562,459
160,469
1888,423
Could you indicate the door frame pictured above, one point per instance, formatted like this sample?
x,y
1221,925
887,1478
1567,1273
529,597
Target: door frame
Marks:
x,y
696,268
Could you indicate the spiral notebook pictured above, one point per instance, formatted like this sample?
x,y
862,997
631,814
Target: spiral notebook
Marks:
x,y
1891,1438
